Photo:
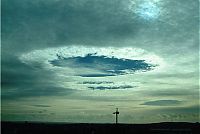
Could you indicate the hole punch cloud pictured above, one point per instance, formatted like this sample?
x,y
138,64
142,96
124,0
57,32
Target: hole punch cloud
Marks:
x,y
109,66
110,61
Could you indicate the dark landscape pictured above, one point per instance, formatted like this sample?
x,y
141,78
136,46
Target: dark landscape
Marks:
x,y
87,128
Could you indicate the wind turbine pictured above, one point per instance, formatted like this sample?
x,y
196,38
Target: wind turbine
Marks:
x,y
116,115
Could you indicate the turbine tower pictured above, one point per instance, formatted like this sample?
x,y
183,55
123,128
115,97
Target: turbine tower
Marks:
x,y
116,115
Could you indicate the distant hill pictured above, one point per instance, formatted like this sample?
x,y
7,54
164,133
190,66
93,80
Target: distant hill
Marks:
x,y
87,128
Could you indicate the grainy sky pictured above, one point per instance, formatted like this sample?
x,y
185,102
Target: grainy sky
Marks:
x,y
77,60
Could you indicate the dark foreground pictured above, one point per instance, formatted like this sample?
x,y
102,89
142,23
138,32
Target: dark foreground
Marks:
x,y
49,128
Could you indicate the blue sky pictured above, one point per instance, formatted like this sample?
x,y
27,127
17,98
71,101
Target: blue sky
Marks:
x,y
76,61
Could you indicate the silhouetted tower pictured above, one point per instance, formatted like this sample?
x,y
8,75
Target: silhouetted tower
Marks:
x,y
116,115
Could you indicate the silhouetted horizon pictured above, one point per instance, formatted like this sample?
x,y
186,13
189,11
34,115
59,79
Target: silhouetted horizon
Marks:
x,y
98,128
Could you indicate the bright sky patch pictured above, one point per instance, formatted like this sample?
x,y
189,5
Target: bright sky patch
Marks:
x,y
148,10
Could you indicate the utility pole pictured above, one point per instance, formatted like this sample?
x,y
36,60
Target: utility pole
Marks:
x,y
116,115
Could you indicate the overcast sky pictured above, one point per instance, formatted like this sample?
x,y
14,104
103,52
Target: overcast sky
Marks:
x,y
77,60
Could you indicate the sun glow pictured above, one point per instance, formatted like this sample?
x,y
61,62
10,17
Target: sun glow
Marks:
x,y
148,10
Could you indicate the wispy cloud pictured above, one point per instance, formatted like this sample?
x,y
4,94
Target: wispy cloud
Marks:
x,y
110,87
162,103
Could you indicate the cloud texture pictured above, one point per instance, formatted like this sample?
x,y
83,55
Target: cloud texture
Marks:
x,y
77,60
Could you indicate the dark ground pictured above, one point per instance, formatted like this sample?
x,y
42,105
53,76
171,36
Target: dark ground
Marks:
x,y
84,128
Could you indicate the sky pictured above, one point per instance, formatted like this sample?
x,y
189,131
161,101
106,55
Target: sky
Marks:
x,y
78,60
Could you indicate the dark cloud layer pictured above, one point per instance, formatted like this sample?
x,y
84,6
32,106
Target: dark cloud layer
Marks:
x,y
50,22
20,80
38,24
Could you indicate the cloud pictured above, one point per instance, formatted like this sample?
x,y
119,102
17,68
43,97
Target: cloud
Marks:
x,y
107,85
41,24
23,91
173,92
93,61
47,23
110,87
96,75
110,66
162,103
97,82
40,105
20,80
